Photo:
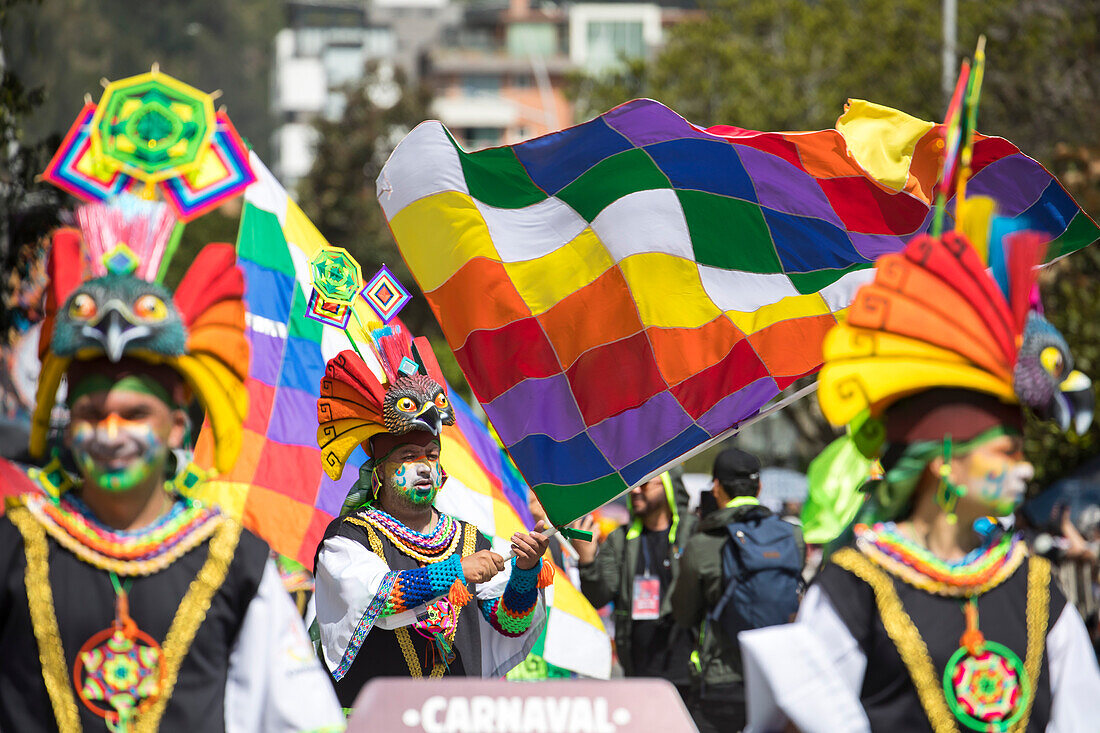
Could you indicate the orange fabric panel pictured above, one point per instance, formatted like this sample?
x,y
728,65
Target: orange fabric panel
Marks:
x,y
684,352
479,296
781,346
600,313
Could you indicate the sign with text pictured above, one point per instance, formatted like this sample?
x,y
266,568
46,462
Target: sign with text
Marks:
x,y
471,705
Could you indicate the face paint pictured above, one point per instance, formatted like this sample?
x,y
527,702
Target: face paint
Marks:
x,y
997,481
409,479
117,454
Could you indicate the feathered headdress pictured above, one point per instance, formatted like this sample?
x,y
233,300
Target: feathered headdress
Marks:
x,y
357,404
105,300
934,317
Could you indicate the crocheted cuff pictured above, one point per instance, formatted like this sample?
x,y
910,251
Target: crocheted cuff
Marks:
x,y
417,586
511,614
399,591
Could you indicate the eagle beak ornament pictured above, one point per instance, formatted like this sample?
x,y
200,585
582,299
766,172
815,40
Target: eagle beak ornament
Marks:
x,y
114,330
429,419
1074,403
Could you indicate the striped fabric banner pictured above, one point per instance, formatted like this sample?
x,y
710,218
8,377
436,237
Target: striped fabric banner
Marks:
x,y
277,488
623,291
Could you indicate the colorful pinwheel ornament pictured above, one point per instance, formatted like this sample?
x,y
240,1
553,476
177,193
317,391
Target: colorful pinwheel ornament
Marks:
x,y
153,132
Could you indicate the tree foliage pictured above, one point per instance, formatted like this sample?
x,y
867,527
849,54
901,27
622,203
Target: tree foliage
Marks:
x,y
66,46
338,194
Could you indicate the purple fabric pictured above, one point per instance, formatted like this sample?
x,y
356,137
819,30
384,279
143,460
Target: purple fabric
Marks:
x,y
645,122
294,418
872,246
738,406
536,406
1016,182
785,187
331,494
640,430
267,357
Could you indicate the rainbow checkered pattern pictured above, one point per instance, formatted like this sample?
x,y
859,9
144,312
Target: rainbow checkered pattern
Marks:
x,y
624,291
277,487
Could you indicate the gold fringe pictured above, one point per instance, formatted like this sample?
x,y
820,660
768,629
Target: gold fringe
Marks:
x,y
192,612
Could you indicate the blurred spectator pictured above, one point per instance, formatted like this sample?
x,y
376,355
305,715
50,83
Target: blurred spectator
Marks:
x,y
714,586
634,568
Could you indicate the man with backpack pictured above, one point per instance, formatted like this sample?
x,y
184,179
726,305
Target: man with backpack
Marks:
x,y
741,570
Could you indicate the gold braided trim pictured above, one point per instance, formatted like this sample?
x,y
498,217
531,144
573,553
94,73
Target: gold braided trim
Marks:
x,y
404,640
192,612
913,651
401,545
904,634
1038,620
55,671
124,567
190,615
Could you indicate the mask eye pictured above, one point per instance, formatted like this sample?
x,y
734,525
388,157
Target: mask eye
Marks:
x,y
441,401
1052,361
83,307
150,308
406,404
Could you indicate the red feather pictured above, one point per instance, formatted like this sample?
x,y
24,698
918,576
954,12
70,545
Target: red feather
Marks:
x,y
212,278
347,368
66,272
1025,252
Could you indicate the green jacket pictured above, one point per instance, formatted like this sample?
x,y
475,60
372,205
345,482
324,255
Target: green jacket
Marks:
x,y
717,660
610,577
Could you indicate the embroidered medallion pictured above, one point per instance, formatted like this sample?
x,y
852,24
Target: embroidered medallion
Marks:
x,y
988,691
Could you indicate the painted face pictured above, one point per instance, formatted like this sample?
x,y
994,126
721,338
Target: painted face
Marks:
x,y
414,472
120,439
995,475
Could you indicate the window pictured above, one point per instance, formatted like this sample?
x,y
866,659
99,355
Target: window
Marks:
x,y
522,81
475,84
532,39
610,40
482,137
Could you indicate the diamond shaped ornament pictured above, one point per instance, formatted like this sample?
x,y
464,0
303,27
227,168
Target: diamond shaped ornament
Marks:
x,y
386,295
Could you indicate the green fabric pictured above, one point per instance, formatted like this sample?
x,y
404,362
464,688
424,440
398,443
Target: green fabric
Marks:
x,y
700,587
140,383
710,220
835,478
611,179
497,178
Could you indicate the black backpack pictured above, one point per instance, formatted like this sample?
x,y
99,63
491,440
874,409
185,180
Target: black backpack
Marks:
x,y
762,573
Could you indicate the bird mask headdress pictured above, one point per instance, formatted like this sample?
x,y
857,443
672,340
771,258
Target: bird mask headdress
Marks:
x,y
357,405
935,317
105,301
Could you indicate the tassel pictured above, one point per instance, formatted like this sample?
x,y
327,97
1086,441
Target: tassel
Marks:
x,y
459,595
546,574
972,638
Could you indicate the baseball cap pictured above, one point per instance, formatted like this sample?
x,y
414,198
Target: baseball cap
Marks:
x,y
733,464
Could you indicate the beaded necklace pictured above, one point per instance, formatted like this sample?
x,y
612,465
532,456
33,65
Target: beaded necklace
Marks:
x,y
986,686
980,571
136,552
441,542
